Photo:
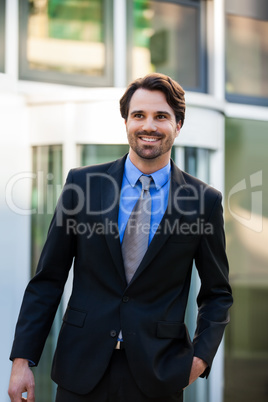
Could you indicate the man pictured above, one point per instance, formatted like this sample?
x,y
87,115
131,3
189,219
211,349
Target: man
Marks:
x,y
123,336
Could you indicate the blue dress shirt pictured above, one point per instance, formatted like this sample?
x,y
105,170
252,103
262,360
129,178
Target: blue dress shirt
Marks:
x,y
131,190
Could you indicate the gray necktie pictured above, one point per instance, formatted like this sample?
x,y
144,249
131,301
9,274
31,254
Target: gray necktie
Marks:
x,y
136,236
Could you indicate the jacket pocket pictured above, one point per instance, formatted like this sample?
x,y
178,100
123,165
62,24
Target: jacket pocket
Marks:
x,y
74,317
173,330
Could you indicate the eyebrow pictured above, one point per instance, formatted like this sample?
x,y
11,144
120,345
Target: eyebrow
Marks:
x,y
158,112
164,112
136,111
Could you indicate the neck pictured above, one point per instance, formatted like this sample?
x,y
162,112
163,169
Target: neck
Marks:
x,y
149,166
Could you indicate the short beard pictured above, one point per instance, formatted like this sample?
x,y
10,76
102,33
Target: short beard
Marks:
x,y
149,152
143,154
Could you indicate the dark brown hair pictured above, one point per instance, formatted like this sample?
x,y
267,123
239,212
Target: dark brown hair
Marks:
x,y
157,82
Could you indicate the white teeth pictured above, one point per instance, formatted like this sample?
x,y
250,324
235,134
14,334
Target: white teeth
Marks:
x,y
149,139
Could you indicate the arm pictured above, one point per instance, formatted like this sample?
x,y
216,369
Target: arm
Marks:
x,y
215,297
43,293
21,380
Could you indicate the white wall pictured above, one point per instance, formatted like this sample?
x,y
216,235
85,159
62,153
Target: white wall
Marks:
x,y
15,160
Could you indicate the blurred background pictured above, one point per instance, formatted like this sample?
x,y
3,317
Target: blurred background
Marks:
x,y
64,64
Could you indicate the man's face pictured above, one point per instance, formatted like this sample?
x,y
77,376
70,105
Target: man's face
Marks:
x,y
151,127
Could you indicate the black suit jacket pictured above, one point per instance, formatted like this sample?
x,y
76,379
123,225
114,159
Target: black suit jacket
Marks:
x,y
150,310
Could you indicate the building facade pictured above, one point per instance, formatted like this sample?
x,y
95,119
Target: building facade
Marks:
x,y
63,68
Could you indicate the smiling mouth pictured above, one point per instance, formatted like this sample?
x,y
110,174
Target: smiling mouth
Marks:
x,y
149,139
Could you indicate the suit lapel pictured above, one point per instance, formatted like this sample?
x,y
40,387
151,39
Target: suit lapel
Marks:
x,y
110,196
177,198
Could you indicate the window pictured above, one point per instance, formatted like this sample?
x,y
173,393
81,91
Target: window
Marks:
x,y
246,189
168,37
47,165
247,51
95,153
66,41
2,35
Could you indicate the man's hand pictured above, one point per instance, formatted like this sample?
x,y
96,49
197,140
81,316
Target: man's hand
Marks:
x,y
21,380
198,367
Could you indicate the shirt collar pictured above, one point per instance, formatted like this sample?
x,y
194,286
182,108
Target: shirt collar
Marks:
x,y
160,177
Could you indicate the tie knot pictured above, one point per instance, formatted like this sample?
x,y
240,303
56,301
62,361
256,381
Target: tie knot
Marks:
x,y
145,182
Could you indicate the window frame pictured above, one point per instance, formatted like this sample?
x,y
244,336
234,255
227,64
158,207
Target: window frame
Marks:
x,y
202,45
258,13
2,34
25,73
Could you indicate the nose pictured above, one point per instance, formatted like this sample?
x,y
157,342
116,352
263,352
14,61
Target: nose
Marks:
x,y
149,124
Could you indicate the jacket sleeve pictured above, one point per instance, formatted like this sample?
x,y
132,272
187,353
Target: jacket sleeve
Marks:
x,y
43,293
215,295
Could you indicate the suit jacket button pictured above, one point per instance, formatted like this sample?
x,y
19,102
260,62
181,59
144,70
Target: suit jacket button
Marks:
x,y
113,333
125,299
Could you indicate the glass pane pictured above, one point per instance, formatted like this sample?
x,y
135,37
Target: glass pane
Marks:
x,y
248,8
197,162
66,36
92,154
166,39
247,56
246,188
47,165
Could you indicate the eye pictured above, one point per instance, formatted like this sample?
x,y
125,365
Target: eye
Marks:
x,y
138,116
161,116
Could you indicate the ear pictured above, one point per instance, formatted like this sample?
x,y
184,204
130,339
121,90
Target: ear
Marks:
x,y
178,128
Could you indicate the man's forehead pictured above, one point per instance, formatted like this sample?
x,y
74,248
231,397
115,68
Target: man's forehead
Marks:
x,y
144,99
